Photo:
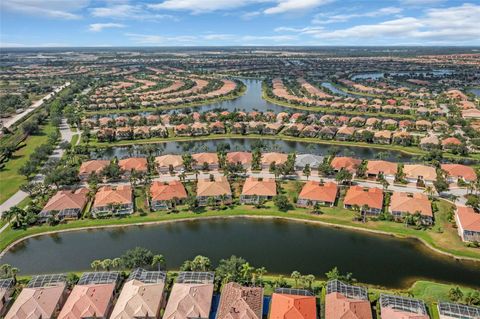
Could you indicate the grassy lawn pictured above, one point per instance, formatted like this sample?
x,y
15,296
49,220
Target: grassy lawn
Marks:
x,y
446,241
431,291
74,139
10,180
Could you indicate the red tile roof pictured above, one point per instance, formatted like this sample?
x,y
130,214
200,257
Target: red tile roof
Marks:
x,y
67,200
337,306
411,203
254,186
136,163
108,195
240,157
384,167
468,218
285,306
238,302
93,166
458,170
315,191
348,163
167,191
372,197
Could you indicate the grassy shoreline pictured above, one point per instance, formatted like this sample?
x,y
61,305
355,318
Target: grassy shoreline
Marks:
x,y
333,217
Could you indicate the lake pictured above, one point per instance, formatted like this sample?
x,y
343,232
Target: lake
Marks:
x,y
246,144
280,246
379,75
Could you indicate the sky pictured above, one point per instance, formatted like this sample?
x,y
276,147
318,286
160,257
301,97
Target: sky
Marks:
x,y
73,23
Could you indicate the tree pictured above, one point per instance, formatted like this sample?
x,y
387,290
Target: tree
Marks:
x,y
334,273
282,202
343,176
455,294
310,279
72,279
307,171
116,263
137,257
106,264
260,272
296,275
96,264
201,263
229,269
15,216
159,261
473,298
246,271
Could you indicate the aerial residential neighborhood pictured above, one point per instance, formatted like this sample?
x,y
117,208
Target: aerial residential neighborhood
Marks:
x,y
260,159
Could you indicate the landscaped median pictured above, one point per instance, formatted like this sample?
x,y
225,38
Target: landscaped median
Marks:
x,y
442,238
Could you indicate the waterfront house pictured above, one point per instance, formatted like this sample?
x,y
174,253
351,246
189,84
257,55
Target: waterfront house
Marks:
x,y
141,296
166,162
347,163
272,128
7,287
429,142
450,143
399,307
415,173
138,164
237,301
243,158
256,190
191,296
42,298
164,195
199,129
402,203
468,224
289,303
345,133
273,157
370,198
124,133
113,201
314,193
218,189
65,204
92,296
456,172
382,137
449,310
92,167
182,130
314,161
203,160
346,301
375,169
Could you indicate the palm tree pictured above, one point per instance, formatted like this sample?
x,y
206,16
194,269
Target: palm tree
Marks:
x,y
296,275
160,261
429,191
106,264
307,171
116,263
310,279
96,264
246,271
260,272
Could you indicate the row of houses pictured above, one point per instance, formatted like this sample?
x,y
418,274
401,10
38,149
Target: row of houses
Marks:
x,y
373,168
144,295
265,118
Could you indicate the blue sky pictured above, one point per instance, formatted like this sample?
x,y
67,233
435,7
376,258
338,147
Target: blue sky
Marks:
x,y
27,23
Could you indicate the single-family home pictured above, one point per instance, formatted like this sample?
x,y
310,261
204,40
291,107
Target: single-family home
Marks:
x,y
417,172
257,190
402,203
346,301
399,307
293,303
349,164
204,160
378,168
138,164
273,157
7,287
468,224
164,195
314,193
369,198
314,161
243,158
165,163
218,189
65,204
456,172
92,167
450,310
113,201
237,301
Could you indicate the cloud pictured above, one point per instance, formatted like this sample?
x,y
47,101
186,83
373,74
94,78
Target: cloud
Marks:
x,y
97,27
202,6
326,19
453,25
284,6
127,11
59,9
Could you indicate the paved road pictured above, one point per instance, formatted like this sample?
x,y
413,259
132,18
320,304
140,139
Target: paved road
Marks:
x,y
14,119
66,135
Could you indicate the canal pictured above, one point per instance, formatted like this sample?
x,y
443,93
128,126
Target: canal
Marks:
x,y
280,246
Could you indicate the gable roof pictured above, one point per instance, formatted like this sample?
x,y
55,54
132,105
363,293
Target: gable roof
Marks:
x,y
108,195
93,166
372,197
377,167
238,302
310,159
254,186
285,306
167,160
162,191
458,170
416,170
38,302
135,163
67,200
138,300
219,186
88,301
411,203
314,191
189,301
468,218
